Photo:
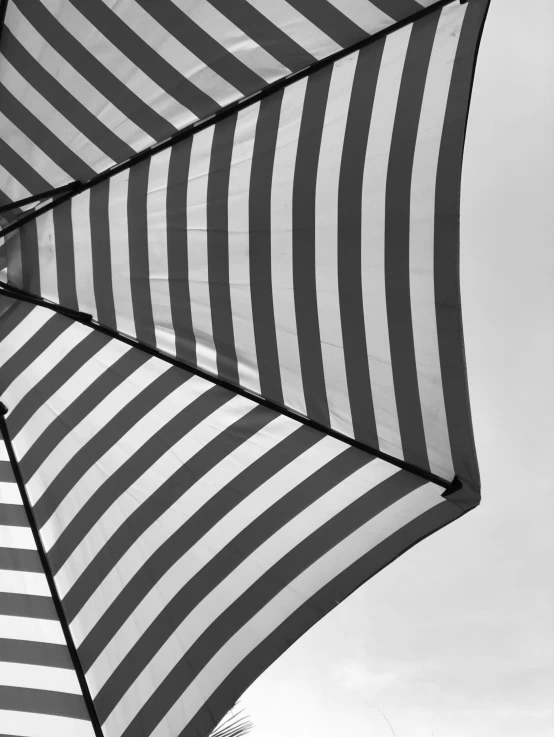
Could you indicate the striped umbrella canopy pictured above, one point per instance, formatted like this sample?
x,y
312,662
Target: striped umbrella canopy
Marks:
x,y
231,356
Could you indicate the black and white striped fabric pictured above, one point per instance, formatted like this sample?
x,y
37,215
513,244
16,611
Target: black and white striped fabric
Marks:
x,y
305,248
85,85
39,690
193,533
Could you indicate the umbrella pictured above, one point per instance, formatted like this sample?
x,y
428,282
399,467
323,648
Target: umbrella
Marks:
x,y
231,352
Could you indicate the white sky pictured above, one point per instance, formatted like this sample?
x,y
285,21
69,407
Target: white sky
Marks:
x,y
456,638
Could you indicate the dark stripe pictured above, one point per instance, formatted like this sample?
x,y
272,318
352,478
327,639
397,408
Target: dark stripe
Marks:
x,y
66,421
44,139
27,605
128,473
447,249
177,251
12,253
30,265
37,701
49,384
139,267
65,255
101,253
16,559
56,94
398,9
6,472
16,314
311,611
35,653
257,27
303,251
194,528
349,243
210,52
397,241
216,570
151,62
269,584
95,72
331,21
97,446
160,501
21,170
263,158
32,349
218,249
13,515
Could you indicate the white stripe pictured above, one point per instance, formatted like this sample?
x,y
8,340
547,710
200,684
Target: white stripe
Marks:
x,y
23,582
26,724
118,454
172,460
233,39
240,579
9,493
45,362
31,629
12,187
119,65
31,153
198,249
156,207
174,53
44,677
239,247
46,113
364,14
289,599
74,83
47,256
4,456
282,245
373,240
298,27
59,401
174,579
17,537
119,253
19,336
422,240
326,244
82,248
98,418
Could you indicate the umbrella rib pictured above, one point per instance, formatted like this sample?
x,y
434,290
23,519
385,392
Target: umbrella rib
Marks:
x,y
222,113
41,196
14,292
4,434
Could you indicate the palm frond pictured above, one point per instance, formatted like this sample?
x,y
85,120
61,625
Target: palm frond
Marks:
x,y
235,724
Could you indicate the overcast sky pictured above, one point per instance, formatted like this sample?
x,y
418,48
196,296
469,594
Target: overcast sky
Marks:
x,y
456,638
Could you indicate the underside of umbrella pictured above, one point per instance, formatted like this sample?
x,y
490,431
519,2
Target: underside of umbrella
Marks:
x,y
231,353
